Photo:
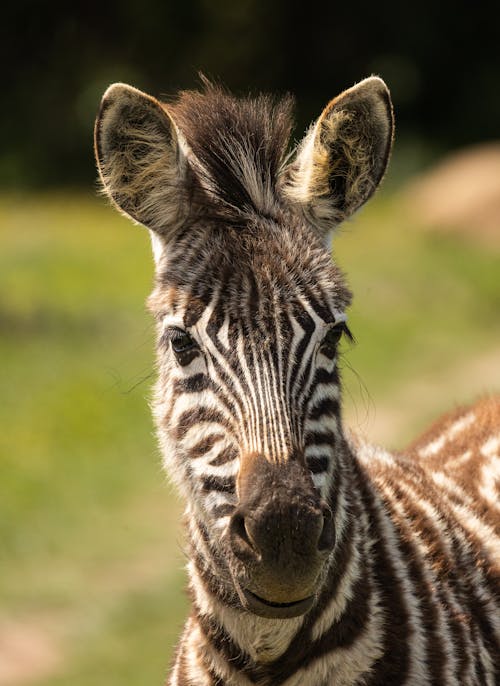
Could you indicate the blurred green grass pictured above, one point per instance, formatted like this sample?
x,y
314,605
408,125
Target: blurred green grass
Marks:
x,y
90,545
426,309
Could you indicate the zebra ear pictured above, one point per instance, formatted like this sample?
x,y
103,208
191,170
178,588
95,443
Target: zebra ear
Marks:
x,y
342,159
141,164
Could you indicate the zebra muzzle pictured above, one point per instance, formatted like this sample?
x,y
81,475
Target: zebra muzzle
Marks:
x,y
282,533
265,608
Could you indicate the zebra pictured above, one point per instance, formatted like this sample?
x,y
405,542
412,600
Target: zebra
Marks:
x,y
314,558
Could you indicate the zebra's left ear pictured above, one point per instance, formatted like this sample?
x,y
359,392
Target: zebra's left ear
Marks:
x,y
342,159
140,159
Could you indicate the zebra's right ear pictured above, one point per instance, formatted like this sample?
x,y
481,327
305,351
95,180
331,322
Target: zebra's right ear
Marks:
x,y
140,161
342,159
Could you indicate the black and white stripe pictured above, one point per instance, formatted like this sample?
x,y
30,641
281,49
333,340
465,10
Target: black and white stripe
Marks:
x,y
408,593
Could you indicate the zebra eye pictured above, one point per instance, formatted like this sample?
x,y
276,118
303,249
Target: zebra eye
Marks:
x,y
184,346
331,340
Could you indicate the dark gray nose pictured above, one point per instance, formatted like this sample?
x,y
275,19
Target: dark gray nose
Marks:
x,y
282,530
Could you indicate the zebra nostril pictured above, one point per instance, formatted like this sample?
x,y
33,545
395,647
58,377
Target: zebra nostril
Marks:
x,y
241,542
326,540
240,529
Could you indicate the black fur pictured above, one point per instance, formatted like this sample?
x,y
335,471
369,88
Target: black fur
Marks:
x,y
217,126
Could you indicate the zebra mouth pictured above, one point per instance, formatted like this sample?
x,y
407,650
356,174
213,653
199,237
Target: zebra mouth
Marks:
x,y
266,608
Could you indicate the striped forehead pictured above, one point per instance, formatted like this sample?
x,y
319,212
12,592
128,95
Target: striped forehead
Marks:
x,y
264,316
255,286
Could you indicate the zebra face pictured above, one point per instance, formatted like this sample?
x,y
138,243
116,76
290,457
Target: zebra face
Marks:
x,y
250,313
247,402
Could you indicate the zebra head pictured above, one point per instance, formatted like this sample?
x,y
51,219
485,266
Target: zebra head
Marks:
x,y
250,312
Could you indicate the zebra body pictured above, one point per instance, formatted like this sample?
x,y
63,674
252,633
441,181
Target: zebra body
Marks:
x,y
314,559
411,594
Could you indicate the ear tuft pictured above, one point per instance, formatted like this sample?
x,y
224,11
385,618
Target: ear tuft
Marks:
x,y
343,158
140,162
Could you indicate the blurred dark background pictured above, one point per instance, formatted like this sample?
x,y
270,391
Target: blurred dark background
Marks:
x,y
440,59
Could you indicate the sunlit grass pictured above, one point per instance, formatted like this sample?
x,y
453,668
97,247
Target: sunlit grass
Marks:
x,y
89,528
424,303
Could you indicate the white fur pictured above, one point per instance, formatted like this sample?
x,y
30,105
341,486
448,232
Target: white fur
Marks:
x,y
455,429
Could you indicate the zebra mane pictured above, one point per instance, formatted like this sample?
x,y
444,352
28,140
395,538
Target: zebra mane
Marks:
x,y
239,144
